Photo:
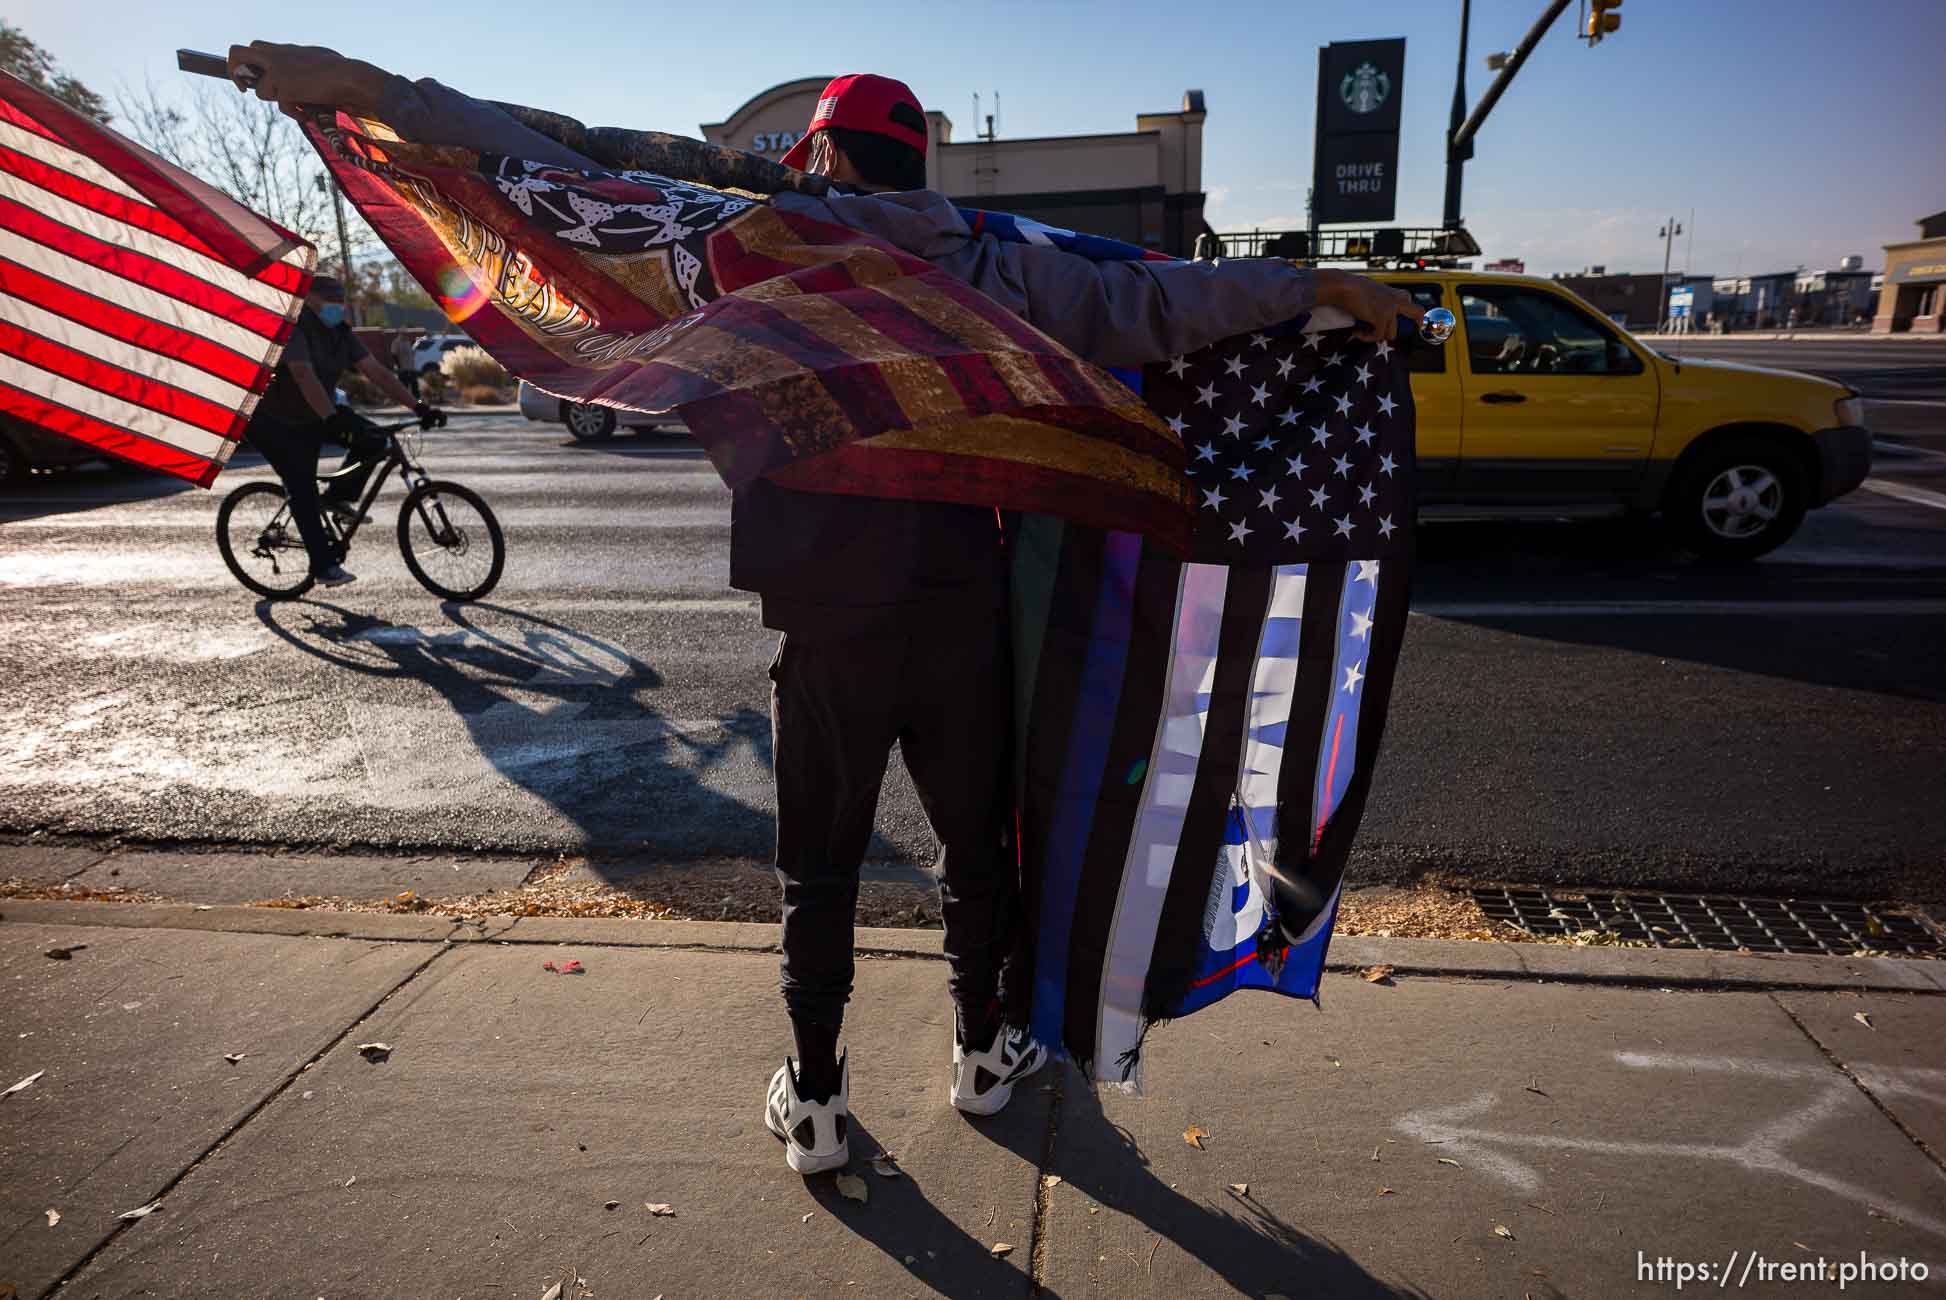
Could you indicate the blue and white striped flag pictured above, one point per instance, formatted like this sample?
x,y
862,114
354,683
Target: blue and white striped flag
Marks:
x,y
1196,737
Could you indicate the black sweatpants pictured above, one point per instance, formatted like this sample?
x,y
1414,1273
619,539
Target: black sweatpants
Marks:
x,y
292,450
836,708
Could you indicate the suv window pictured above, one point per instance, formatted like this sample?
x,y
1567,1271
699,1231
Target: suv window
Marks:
x,y
1512,330
1421,358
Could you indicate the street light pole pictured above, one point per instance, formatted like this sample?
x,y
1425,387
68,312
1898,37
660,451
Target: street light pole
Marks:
x,y
1455,157
1668,233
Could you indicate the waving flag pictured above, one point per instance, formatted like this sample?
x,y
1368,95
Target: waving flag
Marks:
x,y
141,311
800,350
1197,736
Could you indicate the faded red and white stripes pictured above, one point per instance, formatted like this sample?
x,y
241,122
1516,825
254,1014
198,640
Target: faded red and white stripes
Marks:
x,y
141,311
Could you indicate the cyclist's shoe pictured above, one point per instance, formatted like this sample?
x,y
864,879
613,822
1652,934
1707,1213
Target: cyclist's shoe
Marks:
x,y
346,513
983,1082
816,1135
335,576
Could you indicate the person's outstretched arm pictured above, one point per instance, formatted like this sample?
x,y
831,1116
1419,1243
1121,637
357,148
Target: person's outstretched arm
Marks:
x,y
424,112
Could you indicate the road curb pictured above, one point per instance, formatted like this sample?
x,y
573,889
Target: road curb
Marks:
x,y
1415,958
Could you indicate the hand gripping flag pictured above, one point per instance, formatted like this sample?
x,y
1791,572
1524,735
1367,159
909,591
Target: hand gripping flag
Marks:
x,y
141,311
821,357
1196,736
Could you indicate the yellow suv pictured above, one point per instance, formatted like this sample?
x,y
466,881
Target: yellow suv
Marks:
x,y
1538,403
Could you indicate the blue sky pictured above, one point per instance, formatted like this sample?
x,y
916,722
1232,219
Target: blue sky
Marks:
x,y
1798,130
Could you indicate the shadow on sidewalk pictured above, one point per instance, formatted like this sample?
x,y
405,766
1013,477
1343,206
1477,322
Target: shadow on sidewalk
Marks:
x,y
1252,1250
911,1231
563,715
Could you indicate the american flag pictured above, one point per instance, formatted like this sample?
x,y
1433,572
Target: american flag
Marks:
x,y
141,311
1197,737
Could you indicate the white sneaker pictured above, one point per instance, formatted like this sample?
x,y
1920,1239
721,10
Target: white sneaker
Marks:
x,y
983,1082
816,1135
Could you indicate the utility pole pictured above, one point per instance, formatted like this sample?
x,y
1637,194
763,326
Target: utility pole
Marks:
x,y
1459,138
1456,158
1668,232
344,243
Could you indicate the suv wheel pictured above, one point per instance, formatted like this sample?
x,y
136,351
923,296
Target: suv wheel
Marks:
x,y
587,422
1738,500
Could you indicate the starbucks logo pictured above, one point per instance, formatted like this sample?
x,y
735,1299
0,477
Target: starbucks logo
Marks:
x,y
1364,89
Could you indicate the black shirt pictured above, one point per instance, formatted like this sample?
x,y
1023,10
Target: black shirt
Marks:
x,y
331,350
832,567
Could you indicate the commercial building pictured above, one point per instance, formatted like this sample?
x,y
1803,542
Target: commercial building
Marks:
x,y
1914,297
1635,301
1144,186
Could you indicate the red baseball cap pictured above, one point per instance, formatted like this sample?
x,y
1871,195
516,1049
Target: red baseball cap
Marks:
x,y
861,101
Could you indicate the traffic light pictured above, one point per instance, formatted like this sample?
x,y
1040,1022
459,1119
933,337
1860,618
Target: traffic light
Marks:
x,y
1602,20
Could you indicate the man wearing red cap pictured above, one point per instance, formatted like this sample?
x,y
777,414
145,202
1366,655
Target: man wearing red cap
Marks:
x,y
892,613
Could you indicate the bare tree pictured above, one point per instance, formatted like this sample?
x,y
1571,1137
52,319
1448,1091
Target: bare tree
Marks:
x,y
248,149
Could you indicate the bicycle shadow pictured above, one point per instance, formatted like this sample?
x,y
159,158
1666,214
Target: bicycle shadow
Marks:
x,y
560,716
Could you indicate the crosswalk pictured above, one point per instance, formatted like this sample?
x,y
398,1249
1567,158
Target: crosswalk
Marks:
x,y
611,694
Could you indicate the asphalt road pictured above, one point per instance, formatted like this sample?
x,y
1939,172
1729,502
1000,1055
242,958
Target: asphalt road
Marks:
x,y
1577,704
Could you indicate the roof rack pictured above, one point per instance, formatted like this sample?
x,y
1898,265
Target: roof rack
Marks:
x,y
1377,246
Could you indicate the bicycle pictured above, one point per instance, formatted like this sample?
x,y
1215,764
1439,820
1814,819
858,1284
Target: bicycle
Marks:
x,y
441,526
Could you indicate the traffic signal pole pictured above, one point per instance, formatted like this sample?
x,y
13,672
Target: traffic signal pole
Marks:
x,y
1459,136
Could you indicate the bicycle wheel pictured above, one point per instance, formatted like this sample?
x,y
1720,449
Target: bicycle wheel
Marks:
x,y
451,541
260,543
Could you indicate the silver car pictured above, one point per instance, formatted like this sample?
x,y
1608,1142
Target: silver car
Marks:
x,y
587,422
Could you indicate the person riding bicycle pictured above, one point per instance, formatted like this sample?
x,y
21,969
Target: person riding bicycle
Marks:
x,y
297,414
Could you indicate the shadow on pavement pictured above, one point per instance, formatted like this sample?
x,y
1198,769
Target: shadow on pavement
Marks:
x,y
912,1232
1250,1248
1597,562
77,489
560,714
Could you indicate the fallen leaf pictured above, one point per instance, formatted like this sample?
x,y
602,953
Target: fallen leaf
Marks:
x,y
852,1188
1094,1209
1336,1064
884,1166
1194,1135
911,1259
1448,1160
1241,1189
1386,1191
234,1057
1378,974
610,1205
552,1293
572,966
27,1082
140,1211
805,1219
1050,1180
375,1051
1864,1018
1502,1230
660,1209
349,1181
1001,1249
205,907
67,953
53,1217
1374,1155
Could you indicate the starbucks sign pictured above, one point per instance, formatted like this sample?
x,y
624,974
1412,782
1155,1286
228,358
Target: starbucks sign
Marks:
x,y
1355,160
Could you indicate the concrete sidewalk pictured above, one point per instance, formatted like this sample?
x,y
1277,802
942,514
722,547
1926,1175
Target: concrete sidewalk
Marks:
x,y
1496,1120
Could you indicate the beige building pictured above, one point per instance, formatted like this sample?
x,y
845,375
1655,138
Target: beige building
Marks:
x,y
1144,187
1914,297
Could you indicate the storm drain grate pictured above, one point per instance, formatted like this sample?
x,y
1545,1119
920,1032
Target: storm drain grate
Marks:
x,y
1704,921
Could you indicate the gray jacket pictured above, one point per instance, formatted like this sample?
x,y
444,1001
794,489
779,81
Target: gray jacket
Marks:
x,y
1110,313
